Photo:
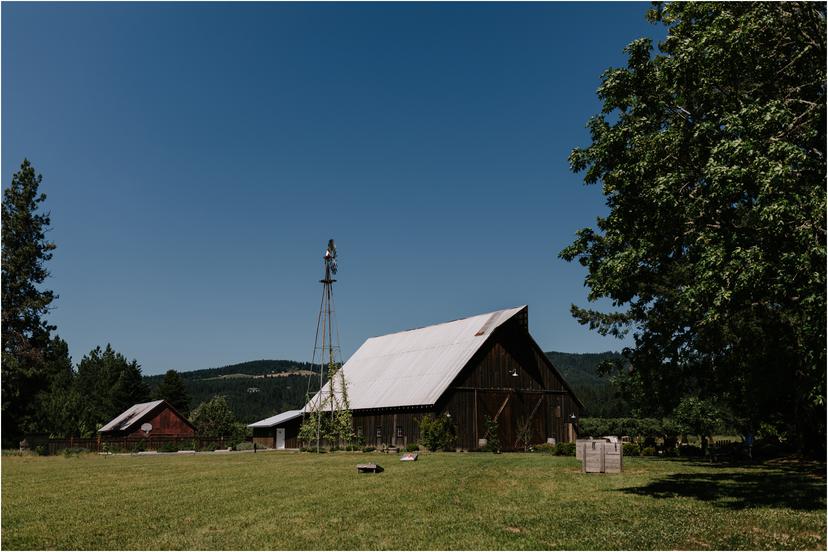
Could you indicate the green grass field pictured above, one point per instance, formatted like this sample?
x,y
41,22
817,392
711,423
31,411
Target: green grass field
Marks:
x,y
443,501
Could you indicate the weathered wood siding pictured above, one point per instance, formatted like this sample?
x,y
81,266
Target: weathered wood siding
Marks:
x,y
487,387
511,379
266,436
391,427
165,422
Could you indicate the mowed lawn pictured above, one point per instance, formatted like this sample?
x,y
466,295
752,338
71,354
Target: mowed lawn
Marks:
x,y
278,500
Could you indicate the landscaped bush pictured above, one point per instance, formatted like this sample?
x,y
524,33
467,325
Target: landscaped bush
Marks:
x,y
138,447
169,446
648,451
412,447
186,445
74,451
369,449
492,435
41,450
545,448
246,445
631,449
565,449
691,451
437,433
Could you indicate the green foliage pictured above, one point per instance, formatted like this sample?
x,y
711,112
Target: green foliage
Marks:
x,y
595,388
437,433
691,451
213,419
545,448
711,155
631,449
412,447
173,390
246,445
169,446
698,417
26,370
281,386
648,451
491,434
106,384
368,449
565,449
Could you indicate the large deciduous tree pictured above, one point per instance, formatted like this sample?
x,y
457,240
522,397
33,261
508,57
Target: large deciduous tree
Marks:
x,y
26,334
711,154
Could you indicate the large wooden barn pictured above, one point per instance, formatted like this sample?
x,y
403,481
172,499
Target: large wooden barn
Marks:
x,y
156,418
483,366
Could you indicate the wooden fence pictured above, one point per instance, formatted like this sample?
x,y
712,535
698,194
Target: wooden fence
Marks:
x,y
140,444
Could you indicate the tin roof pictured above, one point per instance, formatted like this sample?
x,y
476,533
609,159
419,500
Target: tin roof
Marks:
x,y
414,367
277,419
129,416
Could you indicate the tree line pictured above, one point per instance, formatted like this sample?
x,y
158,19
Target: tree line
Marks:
x,y
42,391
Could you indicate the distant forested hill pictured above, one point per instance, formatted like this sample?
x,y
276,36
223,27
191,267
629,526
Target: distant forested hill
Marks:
x,y
254,390
596,392
262,388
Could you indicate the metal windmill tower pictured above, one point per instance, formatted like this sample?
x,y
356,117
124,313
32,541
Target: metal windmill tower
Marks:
x,y
329,412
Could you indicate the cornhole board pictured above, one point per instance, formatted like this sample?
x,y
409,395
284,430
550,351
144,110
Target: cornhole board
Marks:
x,y
369,468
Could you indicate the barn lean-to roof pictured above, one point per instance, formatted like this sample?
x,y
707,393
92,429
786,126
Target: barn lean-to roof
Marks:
x,y
277,419
415,367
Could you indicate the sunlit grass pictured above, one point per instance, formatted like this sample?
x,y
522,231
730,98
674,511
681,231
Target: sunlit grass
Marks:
x,y
443,501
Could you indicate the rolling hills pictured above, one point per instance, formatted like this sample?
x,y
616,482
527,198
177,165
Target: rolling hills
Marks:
x,y
262,388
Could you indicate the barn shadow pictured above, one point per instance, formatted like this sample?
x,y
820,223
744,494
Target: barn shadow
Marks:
x,y
796,486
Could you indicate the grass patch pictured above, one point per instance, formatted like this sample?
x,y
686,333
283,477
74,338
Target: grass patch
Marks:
x,y
442,501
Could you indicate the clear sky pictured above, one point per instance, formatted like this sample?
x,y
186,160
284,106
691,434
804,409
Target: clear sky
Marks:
x,y
197,157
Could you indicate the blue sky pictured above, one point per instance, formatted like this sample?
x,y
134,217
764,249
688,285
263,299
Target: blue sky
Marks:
x,y
197,157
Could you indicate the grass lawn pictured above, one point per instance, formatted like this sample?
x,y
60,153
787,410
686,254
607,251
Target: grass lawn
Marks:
x,y
443,501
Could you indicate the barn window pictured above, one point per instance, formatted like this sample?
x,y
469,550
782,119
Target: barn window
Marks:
x,y
379,432
399,431
359,431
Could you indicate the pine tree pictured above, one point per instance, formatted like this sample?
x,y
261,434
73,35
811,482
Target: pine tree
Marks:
x,y
172,390
108,384
25,332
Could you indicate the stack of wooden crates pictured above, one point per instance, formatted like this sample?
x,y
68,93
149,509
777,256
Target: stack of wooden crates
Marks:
x,y
600,455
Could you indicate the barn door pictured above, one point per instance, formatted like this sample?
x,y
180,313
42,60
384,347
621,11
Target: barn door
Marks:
x,y
280,437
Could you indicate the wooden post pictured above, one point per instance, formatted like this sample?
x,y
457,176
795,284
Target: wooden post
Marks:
x,y
476,434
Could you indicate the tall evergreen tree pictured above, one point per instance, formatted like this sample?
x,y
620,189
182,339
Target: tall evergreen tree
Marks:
x,y
25,331
107,384
173,390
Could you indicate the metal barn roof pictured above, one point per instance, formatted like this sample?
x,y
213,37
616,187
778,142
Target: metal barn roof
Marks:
x,y
415,367
277,419
130,416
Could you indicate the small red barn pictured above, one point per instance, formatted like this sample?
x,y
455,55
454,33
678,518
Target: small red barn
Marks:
x,y
156,418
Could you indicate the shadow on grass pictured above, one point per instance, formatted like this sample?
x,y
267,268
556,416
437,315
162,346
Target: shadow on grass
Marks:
x,y
780,486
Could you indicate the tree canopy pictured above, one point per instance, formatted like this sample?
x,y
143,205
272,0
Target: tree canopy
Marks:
x,y
172,390
26,335
107,384
711,154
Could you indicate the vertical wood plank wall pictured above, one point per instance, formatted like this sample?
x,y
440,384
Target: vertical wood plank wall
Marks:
x,y
478,391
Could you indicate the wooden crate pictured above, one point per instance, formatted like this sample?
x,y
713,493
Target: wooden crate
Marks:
x,y
600,456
